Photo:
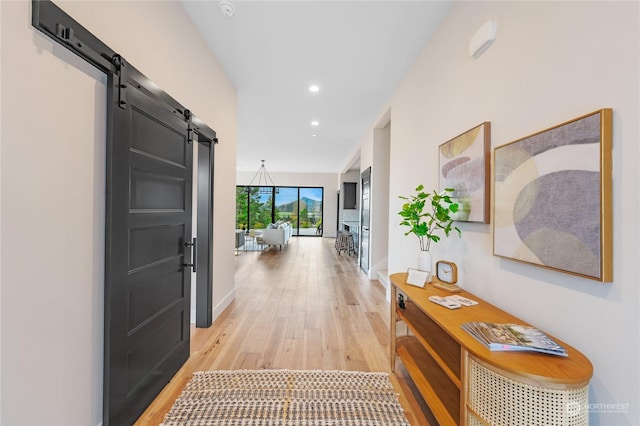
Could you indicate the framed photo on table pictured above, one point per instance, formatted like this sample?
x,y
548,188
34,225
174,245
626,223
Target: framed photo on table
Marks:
x,y
418,278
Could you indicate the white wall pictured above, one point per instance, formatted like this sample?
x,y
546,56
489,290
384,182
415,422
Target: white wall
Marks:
x,y
52,197
375,149
328,181
380,200
551,61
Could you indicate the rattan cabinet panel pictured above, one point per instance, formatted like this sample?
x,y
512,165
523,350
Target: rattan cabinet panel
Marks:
x,y
498,399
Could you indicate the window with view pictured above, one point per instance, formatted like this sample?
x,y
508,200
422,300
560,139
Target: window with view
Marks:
x,y
259,206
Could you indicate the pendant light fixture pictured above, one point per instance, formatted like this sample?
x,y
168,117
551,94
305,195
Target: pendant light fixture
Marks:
x,y
265,183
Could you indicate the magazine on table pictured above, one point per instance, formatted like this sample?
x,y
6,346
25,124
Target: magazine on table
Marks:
x,y
513,337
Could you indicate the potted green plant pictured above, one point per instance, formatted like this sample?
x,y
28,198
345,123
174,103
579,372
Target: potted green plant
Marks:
x,y
428,214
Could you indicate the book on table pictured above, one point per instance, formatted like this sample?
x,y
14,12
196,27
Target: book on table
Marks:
x,y
513,337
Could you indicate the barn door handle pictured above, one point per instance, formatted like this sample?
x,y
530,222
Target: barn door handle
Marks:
x,y
194,252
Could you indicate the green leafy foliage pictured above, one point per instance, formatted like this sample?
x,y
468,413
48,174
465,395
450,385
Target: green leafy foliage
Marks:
x,y
249,199
426,214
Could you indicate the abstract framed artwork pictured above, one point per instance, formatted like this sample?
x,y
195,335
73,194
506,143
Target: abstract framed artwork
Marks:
x,y
464,166
552,202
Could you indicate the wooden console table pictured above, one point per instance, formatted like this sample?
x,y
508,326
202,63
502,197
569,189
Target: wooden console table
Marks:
x,y
463,382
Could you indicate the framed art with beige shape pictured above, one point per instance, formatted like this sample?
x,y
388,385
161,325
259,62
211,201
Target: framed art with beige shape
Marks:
x,y
464,166
553,198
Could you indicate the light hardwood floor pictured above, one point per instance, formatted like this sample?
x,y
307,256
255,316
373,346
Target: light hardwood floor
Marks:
x,y
304,307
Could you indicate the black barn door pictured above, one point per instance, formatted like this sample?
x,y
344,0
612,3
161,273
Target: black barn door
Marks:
x,y
148,220
147,223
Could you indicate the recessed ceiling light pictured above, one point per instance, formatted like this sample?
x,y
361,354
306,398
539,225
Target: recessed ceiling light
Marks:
x,y
314,135
314,88
314,123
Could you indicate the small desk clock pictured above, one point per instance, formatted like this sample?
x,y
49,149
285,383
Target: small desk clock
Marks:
x,y
447,274
447,271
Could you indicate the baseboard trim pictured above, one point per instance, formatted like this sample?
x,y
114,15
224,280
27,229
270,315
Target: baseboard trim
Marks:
x,y
224,303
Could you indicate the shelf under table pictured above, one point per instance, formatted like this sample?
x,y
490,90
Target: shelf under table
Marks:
x,y
428,376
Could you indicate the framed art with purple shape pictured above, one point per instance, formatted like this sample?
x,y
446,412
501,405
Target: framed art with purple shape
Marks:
x,y
464,166
553,202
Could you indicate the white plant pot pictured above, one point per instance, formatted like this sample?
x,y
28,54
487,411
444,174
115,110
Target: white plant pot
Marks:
x,y
425,263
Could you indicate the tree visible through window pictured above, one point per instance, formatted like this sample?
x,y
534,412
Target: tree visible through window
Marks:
x,y
257,207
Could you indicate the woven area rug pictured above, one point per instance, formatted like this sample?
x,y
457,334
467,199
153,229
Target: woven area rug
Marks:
x,y
287,398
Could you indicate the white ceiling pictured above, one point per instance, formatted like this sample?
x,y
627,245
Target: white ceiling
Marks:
x,y
356,51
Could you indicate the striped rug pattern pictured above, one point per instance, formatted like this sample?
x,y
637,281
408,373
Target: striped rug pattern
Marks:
x,y
287,398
